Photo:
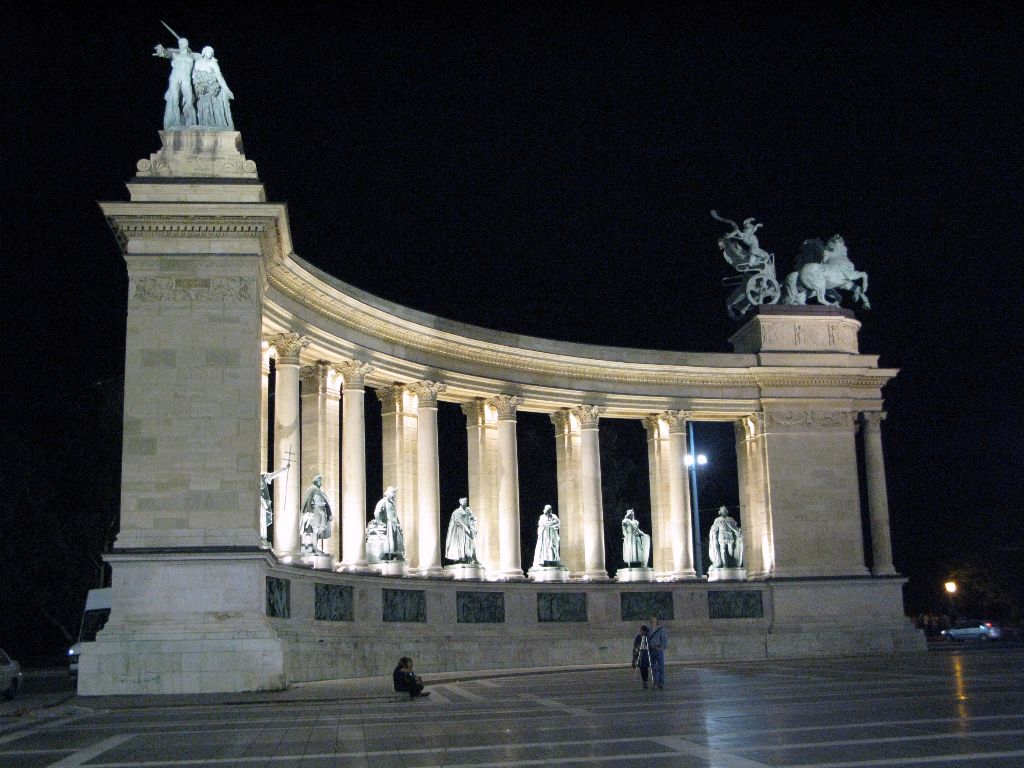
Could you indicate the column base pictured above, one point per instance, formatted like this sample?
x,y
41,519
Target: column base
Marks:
x,y
595,576
465,571
549,573
634,574
432,572
685,575
391,568
727,574
319,562
511,576
360,567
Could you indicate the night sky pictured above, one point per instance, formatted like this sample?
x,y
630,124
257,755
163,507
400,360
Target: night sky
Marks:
x,y
544,169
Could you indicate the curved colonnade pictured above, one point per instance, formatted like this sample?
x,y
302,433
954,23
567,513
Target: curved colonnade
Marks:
x,y
216,291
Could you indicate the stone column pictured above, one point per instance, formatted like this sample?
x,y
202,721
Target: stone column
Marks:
x,y
755,513
428,487
680,527
399,426
288,346
508,487
353,464
590,493
265,354
570,510
321,403
878,501
657,453
482,448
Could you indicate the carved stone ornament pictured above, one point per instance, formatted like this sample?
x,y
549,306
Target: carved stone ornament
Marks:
x,y
193,290
289,346
872,420
676,420
506,406
318,378
561,421
476,412
390,397
652,425
588,415
800,421
353,373
427,392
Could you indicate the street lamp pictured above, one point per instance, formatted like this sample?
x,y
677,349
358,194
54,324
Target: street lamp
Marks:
x,y
692,461
951,594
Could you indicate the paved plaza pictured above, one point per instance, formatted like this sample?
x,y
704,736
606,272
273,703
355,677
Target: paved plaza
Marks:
x,y
941,708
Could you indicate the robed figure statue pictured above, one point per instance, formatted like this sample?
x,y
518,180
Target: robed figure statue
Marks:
x,y
548,540
385,519
460,545
636,545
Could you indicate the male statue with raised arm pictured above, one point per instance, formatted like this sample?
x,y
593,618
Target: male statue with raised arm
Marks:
x,y
180,110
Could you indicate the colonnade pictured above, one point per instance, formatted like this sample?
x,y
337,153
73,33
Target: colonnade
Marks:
x,y
411,464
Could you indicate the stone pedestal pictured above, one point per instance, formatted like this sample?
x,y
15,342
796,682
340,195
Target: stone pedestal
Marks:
x,y
727,574
465,571
634,574
322,562
549,573
391,568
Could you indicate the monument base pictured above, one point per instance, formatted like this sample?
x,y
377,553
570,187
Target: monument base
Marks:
x,y
634,574
465,571
727,574
549,573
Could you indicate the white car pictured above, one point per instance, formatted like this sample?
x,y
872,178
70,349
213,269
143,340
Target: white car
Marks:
x,y
10,675
973,629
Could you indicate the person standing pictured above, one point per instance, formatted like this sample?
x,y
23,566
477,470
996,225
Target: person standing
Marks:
x,y
642,655
657,641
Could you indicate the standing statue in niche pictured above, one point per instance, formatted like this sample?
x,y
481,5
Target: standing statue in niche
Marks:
x,y
726,542
548,540
267,500
460,545
212,93
315,523
385,521
636,545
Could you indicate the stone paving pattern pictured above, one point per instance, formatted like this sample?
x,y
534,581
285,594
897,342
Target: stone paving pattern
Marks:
x,y
958,708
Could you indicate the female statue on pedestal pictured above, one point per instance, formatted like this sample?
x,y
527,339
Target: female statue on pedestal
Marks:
x,y
636,545
548,540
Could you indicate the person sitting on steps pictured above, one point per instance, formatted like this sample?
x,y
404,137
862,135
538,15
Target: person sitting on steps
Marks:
x,y
405,680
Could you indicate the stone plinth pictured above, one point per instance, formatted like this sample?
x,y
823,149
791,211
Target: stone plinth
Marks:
x,y
464,571
634,574
779,328
549,573
391,568
727,574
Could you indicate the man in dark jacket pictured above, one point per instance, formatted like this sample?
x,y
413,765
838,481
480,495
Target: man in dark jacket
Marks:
x,y
405,680
657,640
641,654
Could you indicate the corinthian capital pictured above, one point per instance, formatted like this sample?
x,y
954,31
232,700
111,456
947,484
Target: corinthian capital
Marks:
x,y
390,397
288,347
676,420
427,392
353,373
872,420
476,412
315,378
506,406
652,424
561,420
587,415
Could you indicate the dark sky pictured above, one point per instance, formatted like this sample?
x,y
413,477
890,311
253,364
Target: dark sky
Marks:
x,y
548,169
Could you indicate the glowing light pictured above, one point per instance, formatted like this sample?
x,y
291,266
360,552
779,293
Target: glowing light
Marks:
x,y
701,460
951,587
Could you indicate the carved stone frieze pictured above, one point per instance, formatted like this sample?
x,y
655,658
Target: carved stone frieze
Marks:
x,y
801,421
588,415
427,392
353,373
193,290
506,406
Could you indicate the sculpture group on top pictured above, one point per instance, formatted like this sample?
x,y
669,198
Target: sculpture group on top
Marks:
x,y
822,270
197,96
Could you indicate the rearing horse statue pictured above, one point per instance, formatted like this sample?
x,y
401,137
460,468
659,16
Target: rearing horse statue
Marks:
x,y
823,269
